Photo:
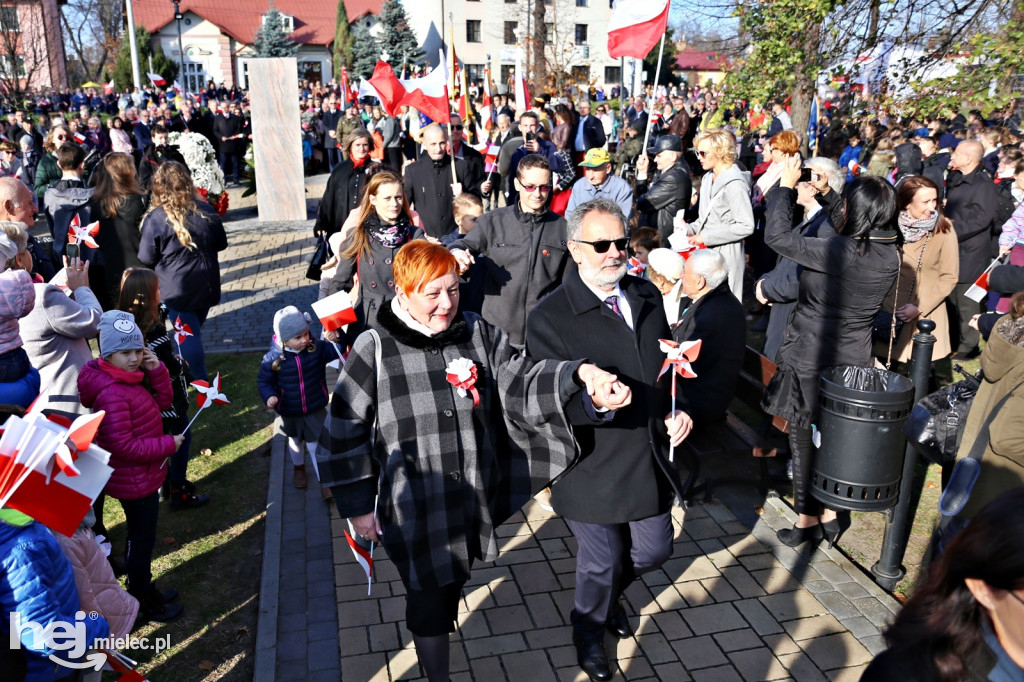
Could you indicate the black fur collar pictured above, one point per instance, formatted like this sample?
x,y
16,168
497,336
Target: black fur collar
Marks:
x,y
457,333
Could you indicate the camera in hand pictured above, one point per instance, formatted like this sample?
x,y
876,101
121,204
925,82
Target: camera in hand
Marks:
x,y
805,175
530,137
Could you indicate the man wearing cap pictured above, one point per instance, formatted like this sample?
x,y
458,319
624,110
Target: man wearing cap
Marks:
x,y
669,191
601,183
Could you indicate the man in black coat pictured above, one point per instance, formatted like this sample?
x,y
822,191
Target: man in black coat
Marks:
x,y
429,183
971,204
714,316
617,499
589,132
474,159
669,191
228,130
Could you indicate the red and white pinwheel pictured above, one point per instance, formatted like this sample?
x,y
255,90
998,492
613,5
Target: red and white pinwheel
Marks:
x,y
209,394
461,373
636,266
80,435
83,235
181,332
680,355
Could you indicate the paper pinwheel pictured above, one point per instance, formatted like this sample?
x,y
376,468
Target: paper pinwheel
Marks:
x,y
83,235
680,355
181,332
80,435
208,394
636,266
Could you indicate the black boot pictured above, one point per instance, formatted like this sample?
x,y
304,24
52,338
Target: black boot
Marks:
x,y
183,496
152,607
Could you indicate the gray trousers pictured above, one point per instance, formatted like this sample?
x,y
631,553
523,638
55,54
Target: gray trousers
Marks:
x,y
610,557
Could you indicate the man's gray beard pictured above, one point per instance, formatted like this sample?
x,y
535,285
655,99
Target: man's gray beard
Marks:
x,y
602,277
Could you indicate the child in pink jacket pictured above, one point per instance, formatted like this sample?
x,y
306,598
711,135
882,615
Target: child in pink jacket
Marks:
x,y
133,386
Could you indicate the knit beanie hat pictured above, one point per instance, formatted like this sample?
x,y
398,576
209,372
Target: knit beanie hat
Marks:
x,y
118,331
8,249
290,322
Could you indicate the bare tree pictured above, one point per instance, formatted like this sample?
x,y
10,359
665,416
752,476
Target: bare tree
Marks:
x,y
23,57
93,30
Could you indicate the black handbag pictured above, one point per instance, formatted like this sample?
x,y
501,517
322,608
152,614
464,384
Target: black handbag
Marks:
x,y
883,329
935,425
321,254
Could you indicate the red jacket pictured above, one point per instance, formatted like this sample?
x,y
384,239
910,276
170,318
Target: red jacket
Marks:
x,y
132,430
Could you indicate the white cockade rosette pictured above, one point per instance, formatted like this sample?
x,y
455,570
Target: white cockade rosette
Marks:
x,y
461,373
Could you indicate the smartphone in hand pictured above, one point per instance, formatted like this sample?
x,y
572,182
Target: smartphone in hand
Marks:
x,y
73,251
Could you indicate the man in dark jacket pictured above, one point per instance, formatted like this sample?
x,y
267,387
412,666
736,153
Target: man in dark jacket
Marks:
x,y
934,162
669,191
529,124
971,205
525,245
228,130
329,120
617,501
474,159
156,155
589,132
716,318
430,187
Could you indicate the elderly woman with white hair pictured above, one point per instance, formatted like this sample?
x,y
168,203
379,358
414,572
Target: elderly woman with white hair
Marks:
x,y
665,271
716,317
781,287
725,216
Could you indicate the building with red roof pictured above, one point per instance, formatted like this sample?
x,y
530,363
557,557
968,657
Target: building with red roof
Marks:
x,y
218,35
699,66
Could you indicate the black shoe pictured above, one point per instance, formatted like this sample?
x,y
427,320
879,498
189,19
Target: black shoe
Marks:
x,y
184,496
835,528
618,623
797,536
592,658
962,355
166,596
153,608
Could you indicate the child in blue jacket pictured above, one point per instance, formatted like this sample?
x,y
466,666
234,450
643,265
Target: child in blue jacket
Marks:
x,y
292,381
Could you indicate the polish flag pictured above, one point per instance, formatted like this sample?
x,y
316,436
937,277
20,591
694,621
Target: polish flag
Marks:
x,y
335,311
522,91
108,89
428,95
362,550
636,27
159,81
491,158
979,290
79,138
486,112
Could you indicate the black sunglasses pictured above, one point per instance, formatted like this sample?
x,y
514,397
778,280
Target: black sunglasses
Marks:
x,y
457,127
602,245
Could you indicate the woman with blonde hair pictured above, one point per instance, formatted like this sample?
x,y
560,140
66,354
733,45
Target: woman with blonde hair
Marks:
x,y
119,205
180,241
725,217
47,171
369,249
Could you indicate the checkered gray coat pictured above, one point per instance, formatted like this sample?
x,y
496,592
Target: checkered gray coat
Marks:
x,y
448,473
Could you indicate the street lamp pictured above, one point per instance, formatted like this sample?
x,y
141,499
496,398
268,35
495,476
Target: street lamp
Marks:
x,y
181,47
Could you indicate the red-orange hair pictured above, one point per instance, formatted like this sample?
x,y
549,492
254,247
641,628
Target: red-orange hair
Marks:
x,y
420,262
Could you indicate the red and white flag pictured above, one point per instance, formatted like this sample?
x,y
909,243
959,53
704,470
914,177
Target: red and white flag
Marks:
x,y
362,550
335,311
486,112
159,81
636,26
979,290
79,138
108,89
83,235
520,88
491,158
428,95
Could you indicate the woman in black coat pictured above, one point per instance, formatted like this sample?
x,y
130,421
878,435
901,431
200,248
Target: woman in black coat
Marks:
x,y
344,187
119,204
845,278
369,249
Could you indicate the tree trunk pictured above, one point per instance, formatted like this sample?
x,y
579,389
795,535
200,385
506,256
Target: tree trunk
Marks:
x,y
805,85
540,45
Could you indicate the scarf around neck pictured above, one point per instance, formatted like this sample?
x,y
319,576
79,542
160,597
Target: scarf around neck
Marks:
x,y
390,236
915,230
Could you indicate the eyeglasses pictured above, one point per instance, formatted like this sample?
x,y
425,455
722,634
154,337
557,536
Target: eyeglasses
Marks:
x,y
602,245
701,154
543,189
456,127
1014,595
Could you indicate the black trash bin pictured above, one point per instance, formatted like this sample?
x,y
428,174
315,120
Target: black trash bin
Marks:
x,y
859,461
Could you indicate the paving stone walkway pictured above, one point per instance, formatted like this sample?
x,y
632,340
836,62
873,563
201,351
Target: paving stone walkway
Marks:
x,y
731,603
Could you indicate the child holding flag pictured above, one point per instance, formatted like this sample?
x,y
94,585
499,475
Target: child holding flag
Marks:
x,y
133,386
292,380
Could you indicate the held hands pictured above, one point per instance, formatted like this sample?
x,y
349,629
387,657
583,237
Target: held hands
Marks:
x,y
78,273
464,259
604,389
367,527
149,359
679,425
791,171
908,312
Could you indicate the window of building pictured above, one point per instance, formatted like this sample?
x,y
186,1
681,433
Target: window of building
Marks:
x,y
474,73
9,20
581,34
549,31
510,2
473,31
287,22
6,71
194,78
612,74
581,3
510,32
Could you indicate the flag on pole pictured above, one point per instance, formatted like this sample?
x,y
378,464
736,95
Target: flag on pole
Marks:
x,y
636,27
79,138
486,112
491,158
344,87
428,95
521,89
979,290
108,89
335,311
157,80
362,550
465,111
452,63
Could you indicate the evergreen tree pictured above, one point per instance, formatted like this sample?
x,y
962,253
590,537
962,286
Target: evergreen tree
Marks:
x,y
271,40
162,64
397,38
342,41
365,51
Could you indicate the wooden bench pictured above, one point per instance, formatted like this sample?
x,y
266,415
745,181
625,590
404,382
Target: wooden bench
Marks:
x,y
735,435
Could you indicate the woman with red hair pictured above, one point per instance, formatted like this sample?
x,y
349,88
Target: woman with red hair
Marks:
x,y
439,431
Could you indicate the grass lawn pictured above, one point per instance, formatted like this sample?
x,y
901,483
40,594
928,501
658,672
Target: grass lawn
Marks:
x,y
213,555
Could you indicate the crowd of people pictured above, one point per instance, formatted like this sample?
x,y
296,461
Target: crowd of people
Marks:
x,y
513,279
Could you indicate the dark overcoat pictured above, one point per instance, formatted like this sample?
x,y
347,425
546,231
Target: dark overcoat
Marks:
x,y
448,473
669,192
428,185
620,476
842,287
341,195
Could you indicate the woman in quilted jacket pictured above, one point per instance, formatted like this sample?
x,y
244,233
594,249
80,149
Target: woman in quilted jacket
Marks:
x,y
132,386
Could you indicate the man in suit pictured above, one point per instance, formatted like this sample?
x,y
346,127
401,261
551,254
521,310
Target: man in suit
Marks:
x,y
617,500
589,132
429,184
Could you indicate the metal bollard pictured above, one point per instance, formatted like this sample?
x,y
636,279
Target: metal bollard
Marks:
x,y
889,570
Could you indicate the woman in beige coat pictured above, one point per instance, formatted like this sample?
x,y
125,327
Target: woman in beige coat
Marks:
x,y
931,265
